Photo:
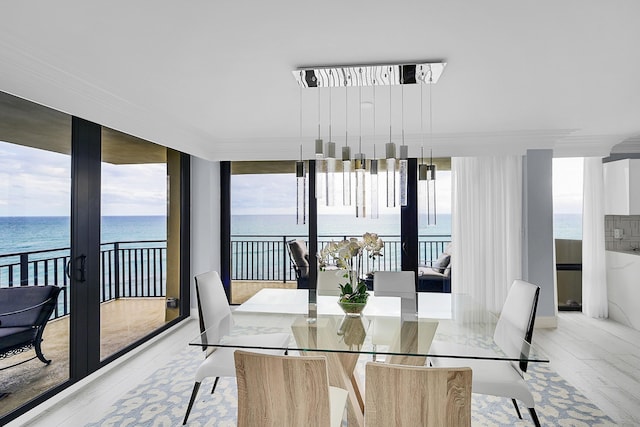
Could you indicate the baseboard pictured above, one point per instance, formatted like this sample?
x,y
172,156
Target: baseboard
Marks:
x,y
546,322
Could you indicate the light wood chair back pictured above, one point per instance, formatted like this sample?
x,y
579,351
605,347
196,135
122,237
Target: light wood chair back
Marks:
x,y
397,395
282,391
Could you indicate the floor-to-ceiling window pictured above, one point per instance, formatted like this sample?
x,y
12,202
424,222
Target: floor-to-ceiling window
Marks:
x,y
35,192
567,230
122,277
134,225
263,222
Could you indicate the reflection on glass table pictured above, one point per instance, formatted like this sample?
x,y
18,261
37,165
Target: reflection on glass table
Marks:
x,y
444,317
400,330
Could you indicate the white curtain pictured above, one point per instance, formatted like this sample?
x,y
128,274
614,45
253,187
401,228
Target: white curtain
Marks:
x,y
486,227
594,275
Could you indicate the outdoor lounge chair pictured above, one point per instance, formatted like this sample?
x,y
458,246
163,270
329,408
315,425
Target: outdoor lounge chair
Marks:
x,y
24,312
299,255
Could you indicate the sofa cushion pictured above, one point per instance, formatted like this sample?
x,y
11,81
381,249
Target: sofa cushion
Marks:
x,y
15,337
442,262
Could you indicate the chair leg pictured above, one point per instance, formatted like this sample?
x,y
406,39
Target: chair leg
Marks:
x,y
194,393
215,383
534,417
515,405
39,353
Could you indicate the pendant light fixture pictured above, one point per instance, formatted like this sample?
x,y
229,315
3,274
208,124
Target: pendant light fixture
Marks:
x,y
321,176
390,156
373,168
346,152
360,162
396,165
427,172
403,169
301,181
330,166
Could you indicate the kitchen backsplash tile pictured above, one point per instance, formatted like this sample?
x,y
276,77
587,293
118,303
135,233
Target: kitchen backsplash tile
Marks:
x,y
630,226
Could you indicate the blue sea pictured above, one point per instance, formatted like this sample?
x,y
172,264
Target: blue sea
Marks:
x,y
24,234
566,226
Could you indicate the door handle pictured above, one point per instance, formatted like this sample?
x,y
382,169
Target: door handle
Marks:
x,y
82,269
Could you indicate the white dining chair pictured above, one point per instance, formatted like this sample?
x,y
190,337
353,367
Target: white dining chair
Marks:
x,y
215,323
513,334
329,282
397,284
400,284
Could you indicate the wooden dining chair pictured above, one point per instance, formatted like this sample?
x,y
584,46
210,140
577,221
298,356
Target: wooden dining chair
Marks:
x,y
286,391
216,323
407,396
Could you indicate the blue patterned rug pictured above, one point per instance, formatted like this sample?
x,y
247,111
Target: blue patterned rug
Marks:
x,y
161,400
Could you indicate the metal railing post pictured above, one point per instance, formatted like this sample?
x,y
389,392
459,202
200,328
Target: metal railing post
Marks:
x,y
116,266
24,269
284,259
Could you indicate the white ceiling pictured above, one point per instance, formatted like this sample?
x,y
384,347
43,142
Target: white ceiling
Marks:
x,y
213,78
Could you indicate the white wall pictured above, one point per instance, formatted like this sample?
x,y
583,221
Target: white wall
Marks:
x,y
205,219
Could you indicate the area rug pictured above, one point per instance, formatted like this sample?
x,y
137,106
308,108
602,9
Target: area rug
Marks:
x,y
161,400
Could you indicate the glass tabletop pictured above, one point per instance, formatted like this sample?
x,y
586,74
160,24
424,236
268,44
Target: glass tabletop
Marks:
x,y
429,325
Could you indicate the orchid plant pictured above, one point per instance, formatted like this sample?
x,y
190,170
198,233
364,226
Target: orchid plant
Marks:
x,y
348,255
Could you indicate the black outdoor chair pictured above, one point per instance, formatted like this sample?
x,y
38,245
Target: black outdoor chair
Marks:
x,y
299,255
24,312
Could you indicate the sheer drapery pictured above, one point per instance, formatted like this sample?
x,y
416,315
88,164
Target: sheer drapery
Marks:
x,y
594,275
486,226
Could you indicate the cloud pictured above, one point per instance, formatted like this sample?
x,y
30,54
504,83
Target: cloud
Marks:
x,y
36,182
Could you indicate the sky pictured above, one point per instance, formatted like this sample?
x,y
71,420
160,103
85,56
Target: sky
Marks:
x,y
36,182
44,190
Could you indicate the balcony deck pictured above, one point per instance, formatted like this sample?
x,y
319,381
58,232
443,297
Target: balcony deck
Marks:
x,y
123,321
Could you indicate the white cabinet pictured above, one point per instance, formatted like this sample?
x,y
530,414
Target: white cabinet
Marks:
x,y
622,187
623,288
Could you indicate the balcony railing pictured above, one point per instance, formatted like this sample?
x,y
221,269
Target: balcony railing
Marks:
x,y
138,268
265,257
128,269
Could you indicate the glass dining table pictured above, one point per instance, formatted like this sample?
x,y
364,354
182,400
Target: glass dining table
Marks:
x,y
397,330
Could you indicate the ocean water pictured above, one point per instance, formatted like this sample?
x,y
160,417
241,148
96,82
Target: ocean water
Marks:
x,y
566,226
24,234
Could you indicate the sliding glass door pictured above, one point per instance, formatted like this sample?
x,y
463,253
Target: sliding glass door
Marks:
x,y
35,194
104,217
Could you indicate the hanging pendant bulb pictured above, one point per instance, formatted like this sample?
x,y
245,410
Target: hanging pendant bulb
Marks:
x,y
360,164
301,181
427,173
373,173
390,155
373,168
330,166
404,158
301,190
346,154
320,162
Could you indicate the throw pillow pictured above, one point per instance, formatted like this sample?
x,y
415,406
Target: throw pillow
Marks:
x,y
442,262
